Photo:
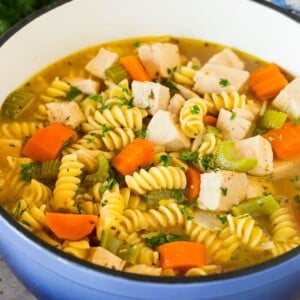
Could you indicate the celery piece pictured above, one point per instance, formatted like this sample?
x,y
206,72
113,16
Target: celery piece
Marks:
x,y
264,205
109,242
117,73
130,253
226,158
48,170
214,130
16,104
273,119
101,174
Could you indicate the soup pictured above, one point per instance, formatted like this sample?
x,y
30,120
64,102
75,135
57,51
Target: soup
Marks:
x,y
159,156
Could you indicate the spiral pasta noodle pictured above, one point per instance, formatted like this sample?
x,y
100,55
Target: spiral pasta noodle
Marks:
x,y
78,249
57,90
283,247
40,113
120,90
148,257
191,117
118,138
19,130
203,271
67,183
185,74
156,178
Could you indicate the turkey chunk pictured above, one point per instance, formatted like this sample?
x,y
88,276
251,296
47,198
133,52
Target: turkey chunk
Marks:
x,y
150,95
219,191
102,61
105,258
227,58
235,125
86,86
288,100
259,148
67,113
159,58
162,130
176,103
213,78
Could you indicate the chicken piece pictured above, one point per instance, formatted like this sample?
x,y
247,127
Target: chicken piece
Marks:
x,y
159,58
102,257
67,113
144,270
227,58
162,130
102,61
86,86
214,78
234,125
220,190
288,100
259,148
285,169
150,95
176,103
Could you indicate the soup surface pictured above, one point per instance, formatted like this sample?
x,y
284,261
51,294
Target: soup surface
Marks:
x,y
159,156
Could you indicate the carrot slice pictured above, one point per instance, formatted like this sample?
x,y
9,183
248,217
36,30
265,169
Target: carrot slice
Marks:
x,y
135,68
285,141
137,154
182,255
267,81
210,120
193,182
71,227
47,142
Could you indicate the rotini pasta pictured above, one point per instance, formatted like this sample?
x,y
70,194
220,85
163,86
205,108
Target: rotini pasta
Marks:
x,y
19,130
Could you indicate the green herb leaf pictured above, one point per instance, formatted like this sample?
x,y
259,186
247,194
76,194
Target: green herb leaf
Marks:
x,y
223,219
297,198
189,156
163,238
184,210
97,98
28,171
109,185
224,191
67,144
105,129
72,93
195,109
141,134
170,85
224,82
207,162
136,44
165,159
233,116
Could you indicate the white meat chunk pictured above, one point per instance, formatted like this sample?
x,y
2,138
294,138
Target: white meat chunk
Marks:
x,y
227,58
213,78
67,113
288,100
86,86
176,103
102,61
162,130
235,125
159,58
144,270
285,169
105,258
150,95
221,190
259,148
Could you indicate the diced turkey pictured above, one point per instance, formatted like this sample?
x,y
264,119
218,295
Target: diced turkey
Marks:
x,y
227,58
86,86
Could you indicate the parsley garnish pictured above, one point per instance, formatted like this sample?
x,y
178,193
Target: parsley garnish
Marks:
x,y
224,82
184,210
207,162
223,219
72,93
109,185
163,238
105,129
170,85
233,116
297,198
165,159
67,144
224,191
195,109
28,171
189,156
136,44
140,134
97,98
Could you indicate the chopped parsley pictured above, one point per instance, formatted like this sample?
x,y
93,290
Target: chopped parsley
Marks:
x,y
184,210
105,129
189,156
222,219
195,109
136,44
224,82
28,171
297,198
163,238
207,162
97,98
233,116
223,191
170,85
72,93
165,159
67,144
109,185
141,134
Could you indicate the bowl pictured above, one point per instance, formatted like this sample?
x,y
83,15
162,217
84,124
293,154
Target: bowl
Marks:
x,y
255,27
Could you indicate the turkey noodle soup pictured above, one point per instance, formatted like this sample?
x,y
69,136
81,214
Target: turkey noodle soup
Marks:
x,y
159,156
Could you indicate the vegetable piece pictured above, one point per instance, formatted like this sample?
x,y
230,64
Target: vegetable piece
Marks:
x,y
189,156
48,170
285,141
210,120
267,81
47,142
130,253
193,183
265,205
135,68
110,242
29,171
182,255
162,238
16,104
153,197
116,73
71,227
226,158
102,173
138,153
273,119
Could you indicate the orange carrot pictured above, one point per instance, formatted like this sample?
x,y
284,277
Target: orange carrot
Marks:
x,y
71,227
193,183
137,154
182,255
210,120
285,141
135,68
267,81
47,142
